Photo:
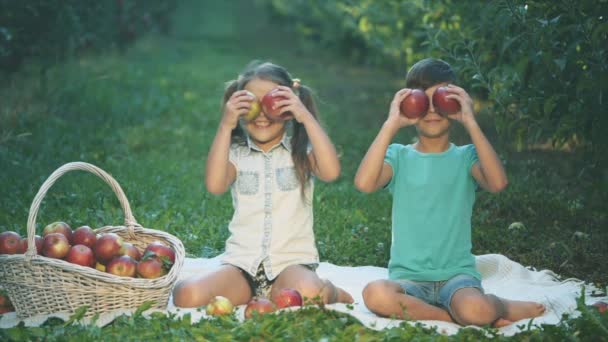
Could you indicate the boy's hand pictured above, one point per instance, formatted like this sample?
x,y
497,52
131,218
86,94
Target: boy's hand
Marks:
x,y
291,103
466,115
237,105
395,118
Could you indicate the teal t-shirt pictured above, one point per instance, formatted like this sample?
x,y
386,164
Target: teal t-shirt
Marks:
x,y
433,197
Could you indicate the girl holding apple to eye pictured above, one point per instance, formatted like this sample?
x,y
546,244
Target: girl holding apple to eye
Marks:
x,y
267,149
432,272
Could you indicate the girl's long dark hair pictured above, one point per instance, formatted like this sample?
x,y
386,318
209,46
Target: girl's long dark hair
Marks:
x,y
299,140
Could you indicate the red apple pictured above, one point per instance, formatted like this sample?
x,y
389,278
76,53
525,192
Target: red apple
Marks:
x,y
9,242
130,250
81,255
150,267
58,227
107,247
84,235
55,245
5,309
415,105
601,306
162,251
219,306
23,244
255,108
259,305
5,301
123,266
288,297
444,105
268,103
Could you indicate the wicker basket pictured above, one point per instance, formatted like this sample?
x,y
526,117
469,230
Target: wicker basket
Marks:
x,y
40,285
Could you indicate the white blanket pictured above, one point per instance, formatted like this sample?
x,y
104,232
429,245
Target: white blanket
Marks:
x,y
500,276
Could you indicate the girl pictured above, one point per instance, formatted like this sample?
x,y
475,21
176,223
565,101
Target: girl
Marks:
x,y
269,173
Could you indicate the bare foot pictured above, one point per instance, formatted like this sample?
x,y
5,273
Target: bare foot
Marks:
x,y
343,296
517,310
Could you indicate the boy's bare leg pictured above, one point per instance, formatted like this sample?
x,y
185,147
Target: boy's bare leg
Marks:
x,y
227,281
387,298
310,286
471,307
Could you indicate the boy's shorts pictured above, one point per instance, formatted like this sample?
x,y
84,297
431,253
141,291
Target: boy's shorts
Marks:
x,y
439,293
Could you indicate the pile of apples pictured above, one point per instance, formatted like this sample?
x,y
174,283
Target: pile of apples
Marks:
x,y
287,297
106,252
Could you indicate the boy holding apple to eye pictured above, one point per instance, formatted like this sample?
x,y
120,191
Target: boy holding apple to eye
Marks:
x,y
432,274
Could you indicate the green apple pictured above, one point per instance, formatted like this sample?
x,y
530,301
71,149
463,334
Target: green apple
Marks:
x,y
255,108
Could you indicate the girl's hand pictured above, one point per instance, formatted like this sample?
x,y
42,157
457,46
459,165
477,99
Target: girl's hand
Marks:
x,y
395,118
291,103
466,115
237,105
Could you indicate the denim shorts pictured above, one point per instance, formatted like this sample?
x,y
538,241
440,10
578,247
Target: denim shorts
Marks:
x,y
439,293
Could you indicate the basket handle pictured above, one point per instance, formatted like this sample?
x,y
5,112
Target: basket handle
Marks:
x,y
31,220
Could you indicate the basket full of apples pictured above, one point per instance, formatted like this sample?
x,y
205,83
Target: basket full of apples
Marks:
x,y
105,269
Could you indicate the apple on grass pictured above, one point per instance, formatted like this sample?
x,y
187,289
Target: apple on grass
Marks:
x,y
84,235
150,267
255,108
268,103
444,105
600,306
58,227
23,244
415,105
9,242
219,305
123,266
107,246
260,305
81,255
288,297
55,245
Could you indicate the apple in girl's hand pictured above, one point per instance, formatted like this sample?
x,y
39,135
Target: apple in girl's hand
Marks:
x,y
444,105
9,242
288,297
162,251
107,246
58,227
268,102
150,267
415,105
123,266
81,255
84,235
219,305
23,245
130,250
255,108
259,305
55,245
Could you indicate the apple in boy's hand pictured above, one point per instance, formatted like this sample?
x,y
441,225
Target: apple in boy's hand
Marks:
x,y
107,247
415,105
81,255
55,245
255,109
268,102
9,242
219,305
288,297
259,305
444,105
58,227
84,235
23,244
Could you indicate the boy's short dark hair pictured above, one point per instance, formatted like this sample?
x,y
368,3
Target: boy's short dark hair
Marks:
x,y
429,72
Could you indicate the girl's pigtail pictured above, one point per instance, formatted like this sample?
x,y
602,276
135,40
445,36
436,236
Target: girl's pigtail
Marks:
x,y
300,141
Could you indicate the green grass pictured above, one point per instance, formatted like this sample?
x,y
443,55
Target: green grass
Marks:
x,y
148,118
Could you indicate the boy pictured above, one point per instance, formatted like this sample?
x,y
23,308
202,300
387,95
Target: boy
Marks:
x,y
432,274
